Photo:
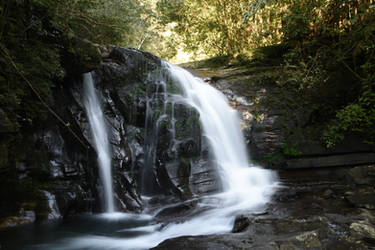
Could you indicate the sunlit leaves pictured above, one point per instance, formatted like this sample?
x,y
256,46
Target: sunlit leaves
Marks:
x,y
102,21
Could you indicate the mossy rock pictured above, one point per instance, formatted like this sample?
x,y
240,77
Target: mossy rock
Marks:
x,y
187,122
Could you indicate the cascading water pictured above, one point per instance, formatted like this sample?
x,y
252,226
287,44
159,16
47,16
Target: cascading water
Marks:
x,y
148,184
245,186
100,139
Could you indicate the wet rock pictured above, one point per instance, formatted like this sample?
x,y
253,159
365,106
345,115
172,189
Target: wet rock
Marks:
x,y
309,240
293,223
362,197
362,175
204,179
73,200
332,160
363,229
191,243
288,246
24,217
240,224
287,195
132,89
327,194
53,212
177,209
126,66
121,81
265,138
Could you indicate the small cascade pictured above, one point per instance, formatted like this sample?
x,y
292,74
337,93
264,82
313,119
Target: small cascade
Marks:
x,y
100,139
52,205
156,102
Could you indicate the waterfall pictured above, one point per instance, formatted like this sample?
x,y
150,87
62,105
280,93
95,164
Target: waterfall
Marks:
x,y
100,139
246,187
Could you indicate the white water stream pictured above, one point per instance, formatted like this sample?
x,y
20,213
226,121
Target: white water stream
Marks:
x,y
100,138
246,186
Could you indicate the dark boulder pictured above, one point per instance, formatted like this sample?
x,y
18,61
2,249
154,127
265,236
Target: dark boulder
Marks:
x,y
240,224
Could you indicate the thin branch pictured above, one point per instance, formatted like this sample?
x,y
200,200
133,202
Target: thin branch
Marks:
x,y
66,124
354,73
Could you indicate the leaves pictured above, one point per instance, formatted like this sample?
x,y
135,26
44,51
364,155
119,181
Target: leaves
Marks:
x,y
102,21
212,27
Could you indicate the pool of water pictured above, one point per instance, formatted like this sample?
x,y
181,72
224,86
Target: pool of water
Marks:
x,y
80,232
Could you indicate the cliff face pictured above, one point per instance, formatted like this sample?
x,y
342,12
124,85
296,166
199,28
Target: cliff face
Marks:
x,y
157,145
281,132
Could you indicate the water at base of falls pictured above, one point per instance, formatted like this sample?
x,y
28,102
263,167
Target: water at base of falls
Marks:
x,y
247,188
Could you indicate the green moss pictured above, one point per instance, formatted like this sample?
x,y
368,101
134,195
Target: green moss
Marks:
x,y
272,159
291,150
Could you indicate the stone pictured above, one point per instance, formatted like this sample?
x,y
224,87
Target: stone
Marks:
x,y
240,224
364,229
80,55
328,194
264,138
363,175
178,209
24,217
53,212
331,161
288,246
362,197
309,240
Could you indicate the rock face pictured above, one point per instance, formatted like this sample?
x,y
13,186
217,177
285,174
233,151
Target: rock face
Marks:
x,y
280,133
156,143
332,160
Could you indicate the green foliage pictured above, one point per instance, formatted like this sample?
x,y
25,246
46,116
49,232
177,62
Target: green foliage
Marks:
x,y
255,7
291,150
24,40
100,21
296,24
41,40
212,28
356,117
273,159
301,71
331,69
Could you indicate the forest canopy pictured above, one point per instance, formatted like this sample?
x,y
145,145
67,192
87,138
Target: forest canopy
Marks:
x,y
328,50
327,47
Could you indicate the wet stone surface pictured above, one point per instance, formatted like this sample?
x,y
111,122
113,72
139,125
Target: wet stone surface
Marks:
x,y
310,211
